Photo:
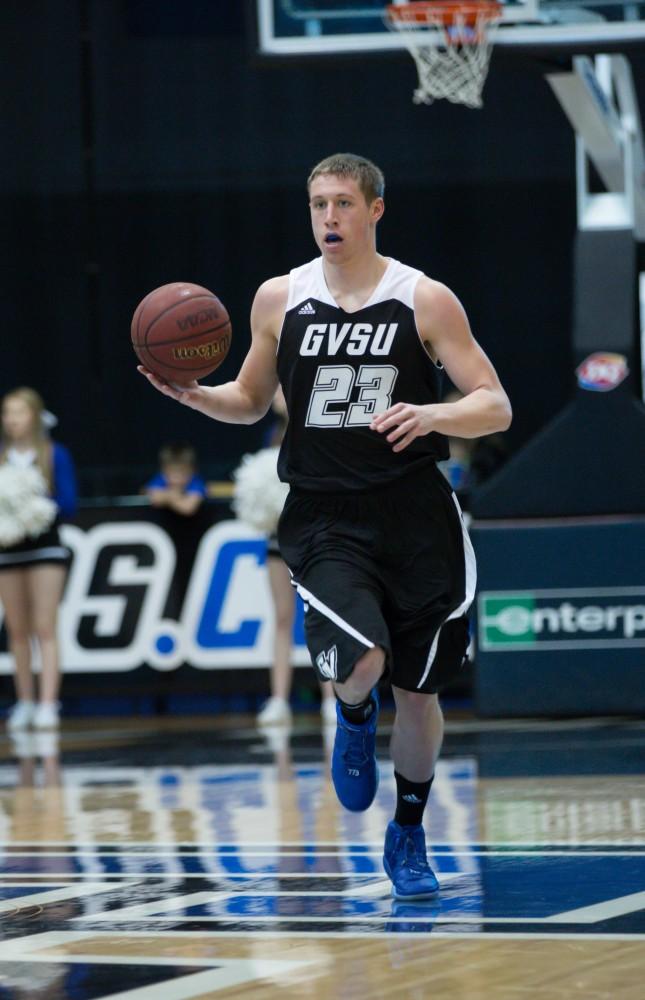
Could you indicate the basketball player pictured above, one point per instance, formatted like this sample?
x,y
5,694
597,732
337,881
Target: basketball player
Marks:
x,y
371,530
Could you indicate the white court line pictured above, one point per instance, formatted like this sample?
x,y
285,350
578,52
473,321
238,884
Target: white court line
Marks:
x,y
54,896
10,950
161,905
217,854
602,911
491,935
115,849
118,959
353,918
220,875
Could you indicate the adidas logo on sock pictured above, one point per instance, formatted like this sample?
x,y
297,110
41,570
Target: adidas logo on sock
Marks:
x,y
307,310
411,798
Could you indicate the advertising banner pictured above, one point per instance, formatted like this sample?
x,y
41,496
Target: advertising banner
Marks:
x,y
141,593
560,617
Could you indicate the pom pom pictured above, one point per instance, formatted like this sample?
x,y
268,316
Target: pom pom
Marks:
x,y
259,495
48,419
25,509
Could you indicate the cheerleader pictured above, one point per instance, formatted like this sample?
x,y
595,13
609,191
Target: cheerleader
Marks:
x,y
37,489
259,498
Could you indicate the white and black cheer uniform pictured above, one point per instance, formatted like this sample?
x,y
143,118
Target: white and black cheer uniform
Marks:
x,y
47,546
374,538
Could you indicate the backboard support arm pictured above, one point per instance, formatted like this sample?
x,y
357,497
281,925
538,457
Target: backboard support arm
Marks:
x,y
599,99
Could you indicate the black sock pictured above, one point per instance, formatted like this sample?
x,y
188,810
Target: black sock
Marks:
x,y
357,714
411,798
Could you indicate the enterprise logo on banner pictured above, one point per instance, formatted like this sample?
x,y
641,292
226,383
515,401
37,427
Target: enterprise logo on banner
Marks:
x,y
112,616
590,618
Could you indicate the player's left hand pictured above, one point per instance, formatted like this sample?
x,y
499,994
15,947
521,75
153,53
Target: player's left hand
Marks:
x,y
404,422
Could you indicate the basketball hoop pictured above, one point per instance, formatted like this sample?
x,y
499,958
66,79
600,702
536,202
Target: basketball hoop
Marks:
x,y
451,42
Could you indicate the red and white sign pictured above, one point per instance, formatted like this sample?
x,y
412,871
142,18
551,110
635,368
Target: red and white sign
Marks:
x,y
601,372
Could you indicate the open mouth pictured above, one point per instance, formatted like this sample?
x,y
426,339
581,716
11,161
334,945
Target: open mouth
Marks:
x,y
333,238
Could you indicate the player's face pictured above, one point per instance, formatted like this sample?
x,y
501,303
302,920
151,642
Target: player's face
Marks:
x,y
17,419
342,221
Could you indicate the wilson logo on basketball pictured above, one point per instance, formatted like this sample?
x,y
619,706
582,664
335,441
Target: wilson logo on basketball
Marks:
x,y
185,352
199,318
601,372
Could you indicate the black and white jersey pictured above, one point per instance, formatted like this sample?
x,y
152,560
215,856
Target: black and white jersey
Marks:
x,y
338,369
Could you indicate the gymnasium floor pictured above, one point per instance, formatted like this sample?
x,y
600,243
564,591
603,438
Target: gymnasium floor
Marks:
x,y
198,858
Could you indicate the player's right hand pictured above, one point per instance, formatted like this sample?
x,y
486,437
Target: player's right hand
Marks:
x,y
183,394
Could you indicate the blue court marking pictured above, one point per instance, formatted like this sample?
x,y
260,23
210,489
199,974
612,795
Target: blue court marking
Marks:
x,y
593,889
291,906
228,861
503,888
23,891
228,865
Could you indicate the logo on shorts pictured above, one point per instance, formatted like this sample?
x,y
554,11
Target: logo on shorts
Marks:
x,y
589,618
326,663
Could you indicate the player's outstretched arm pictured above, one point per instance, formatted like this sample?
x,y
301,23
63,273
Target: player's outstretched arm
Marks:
x,y
248,397
485,407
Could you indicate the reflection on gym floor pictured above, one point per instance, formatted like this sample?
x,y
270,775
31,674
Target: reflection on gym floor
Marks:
x,y
199,858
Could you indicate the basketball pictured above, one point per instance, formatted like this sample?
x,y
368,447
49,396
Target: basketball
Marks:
x,y
181,332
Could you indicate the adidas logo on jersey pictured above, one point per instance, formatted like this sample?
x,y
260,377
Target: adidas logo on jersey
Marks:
x,y
307,310
326,663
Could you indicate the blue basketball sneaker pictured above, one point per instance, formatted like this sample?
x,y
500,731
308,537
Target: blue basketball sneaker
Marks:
x,y
354,770
406,863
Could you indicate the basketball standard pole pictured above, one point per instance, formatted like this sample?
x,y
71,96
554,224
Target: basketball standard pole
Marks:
x,y
586,461
582,475
599,99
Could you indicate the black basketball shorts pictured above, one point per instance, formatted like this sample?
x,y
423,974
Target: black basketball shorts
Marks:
x,y
393,568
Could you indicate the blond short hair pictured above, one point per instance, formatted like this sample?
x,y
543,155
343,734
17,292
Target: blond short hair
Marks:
x,y
367,175
40,433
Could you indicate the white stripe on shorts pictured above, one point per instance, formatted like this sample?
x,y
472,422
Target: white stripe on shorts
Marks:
x,y
309,598
471,583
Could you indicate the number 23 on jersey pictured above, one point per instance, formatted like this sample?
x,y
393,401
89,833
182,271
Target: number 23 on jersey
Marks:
x,y
330,403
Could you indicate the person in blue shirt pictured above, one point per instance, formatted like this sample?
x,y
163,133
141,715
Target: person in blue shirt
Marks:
x,y
33,568
177,487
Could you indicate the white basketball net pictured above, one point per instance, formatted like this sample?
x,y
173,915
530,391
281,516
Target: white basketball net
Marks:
x,y
452,58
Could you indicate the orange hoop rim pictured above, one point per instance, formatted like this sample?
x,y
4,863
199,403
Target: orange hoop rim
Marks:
x,y
429,11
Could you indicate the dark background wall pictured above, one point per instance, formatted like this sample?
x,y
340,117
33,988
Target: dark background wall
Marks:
x,y
144,142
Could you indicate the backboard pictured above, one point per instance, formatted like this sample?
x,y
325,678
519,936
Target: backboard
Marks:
x,y
327,27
